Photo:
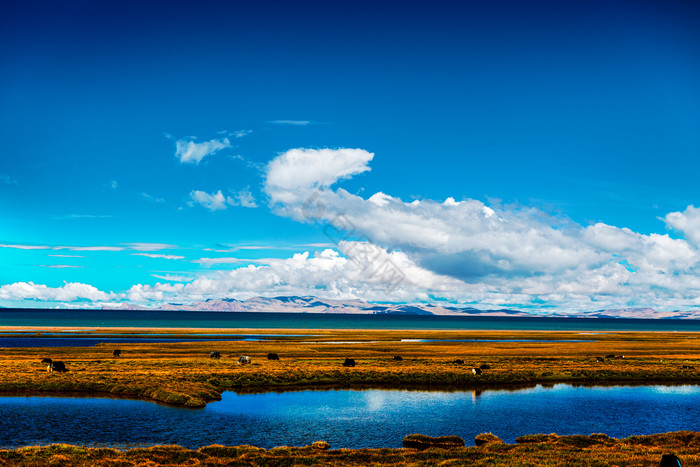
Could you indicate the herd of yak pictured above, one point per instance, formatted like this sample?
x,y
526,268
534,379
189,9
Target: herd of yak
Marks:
x,y
60,367
349,362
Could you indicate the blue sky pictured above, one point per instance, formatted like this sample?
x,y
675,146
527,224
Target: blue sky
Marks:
x,y
564,135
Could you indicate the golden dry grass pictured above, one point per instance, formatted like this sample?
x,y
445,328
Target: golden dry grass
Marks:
x,y
183,373
537,450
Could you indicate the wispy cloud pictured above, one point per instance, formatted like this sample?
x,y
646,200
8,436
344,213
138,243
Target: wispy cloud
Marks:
x,y
66,256
189,151
89,248
218,202
291,122
174,277
114,185
25,247
143,246
152,255
152,198
235,134
230,260
59,266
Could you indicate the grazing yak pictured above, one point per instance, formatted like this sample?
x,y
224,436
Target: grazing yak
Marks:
x,y
610,356
349,362
599,359
48,363
459,361
273,356
476,371
117,353
485,366
243,360
687,367
58,366
398,358
214,354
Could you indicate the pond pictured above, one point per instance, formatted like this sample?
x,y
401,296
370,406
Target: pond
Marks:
x,y
350,418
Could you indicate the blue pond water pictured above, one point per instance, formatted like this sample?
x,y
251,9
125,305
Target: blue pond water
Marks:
x,y
350,418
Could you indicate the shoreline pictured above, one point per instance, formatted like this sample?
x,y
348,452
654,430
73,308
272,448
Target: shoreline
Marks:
x,y
528,450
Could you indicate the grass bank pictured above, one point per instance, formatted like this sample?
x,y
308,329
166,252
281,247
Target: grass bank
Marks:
x,y
533,450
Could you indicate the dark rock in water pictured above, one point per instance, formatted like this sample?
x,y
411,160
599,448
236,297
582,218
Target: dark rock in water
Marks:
x,y
418,441
487,438
670,460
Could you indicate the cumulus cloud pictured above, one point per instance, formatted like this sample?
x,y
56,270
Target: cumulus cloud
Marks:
x,y
189,151
291,175
515,255
70,291
686,222
327,274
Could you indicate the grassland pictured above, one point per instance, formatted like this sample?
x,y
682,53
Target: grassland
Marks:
x,y
533,450
183,373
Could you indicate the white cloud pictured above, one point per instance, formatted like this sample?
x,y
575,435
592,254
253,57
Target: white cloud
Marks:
x,y
114,185
143,246
152,199
218,202
242,198
686,222
326,274
174,277
188,151
515,255
291,122
25,247
292,174
152,255
70,291
213,202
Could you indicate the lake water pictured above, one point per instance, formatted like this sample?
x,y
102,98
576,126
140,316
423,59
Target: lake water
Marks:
x,y
240,320
350,418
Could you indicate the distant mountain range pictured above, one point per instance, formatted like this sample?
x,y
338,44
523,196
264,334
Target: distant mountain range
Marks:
x,y
294,304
